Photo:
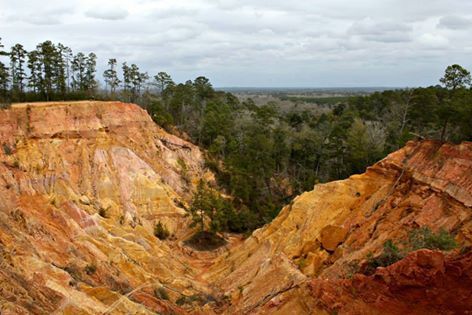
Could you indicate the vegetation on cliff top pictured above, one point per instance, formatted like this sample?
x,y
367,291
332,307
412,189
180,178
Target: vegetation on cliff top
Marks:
x,y
262,156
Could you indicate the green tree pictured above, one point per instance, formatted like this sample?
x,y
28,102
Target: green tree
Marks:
x,y
456,77
126,77
203,88
162,80
137,80
133,81
4,75
67,57
60,71
79,72
365,141
36,74
202,205
111,76
207,204
90,69
47,55
17,66
4,80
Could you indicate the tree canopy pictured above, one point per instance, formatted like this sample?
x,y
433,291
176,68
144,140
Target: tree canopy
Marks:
x,y
262,155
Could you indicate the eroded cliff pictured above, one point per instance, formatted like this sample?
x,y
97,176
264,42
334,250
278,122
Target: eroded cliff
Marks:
x,y
326,232
84,183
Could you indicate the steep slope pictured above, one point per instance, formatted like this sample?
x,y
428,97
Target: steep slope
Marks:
x,y
328,231
82,186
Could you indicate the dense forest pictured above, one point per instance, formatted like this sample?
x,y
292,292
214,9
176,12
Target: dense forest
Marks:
x,y
262,156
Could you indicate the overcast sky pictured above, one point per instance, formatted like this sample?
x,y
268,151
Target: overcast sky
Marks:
x,y
277,43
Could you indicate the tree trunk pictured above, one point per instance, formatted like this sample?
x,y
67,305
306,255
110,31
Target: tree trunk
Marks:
x,y
443,132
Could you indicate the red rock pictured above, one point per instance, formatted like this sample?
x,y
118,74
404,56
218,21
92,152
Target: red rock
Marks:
x,y
425,282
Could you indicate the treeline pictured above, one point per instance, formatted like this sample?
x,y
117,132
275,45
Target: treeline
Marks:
x,y
53,72
49,72
262,156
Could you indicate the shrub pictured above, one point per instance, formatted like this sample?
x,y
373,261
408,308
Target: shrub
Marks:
x,y
390,255
161,293
7,150
204,240
90,269
417,239
425,238
161,231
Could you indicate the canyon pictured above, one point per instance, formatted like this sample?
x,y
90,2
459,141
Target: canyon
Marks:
x,y
83,184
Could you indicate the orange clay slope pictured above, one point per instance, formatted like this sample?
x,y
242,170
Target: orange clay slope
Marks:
x,y
83,184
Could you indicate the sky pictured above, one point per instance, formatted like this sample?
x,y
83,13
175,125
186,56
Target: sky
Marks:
x,y
258,43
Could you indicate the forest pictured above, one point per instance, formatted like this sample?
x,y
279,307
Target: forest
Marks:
x,y
262,156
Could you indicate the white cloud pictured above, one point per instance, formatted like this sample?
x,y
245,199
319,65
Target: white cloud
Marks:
x,y
110,13
257,42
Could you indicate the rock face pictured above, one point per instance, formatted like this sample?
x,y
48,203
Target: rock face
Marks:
x,y
425,282
328,232
82,185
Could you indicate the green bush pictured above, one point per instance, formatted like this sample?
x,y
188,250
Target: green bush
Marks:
x,y
161,231
390,255
161,293
204,240
425,238
417,239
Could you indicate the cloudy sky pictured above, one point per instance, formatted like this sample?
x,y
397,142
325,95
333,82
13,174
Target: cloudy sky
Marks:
x,y
279,43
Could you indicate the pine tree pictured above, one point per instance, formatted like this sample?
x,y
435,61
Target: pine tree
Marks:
x,y
60,67
111,76
67,56
35,68
4,80
17,62
90,70
162,80
47,54
4,76
78,68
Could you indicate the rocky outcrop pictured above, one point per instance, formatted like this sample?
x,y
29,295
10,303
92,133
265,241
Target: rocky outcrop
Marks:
x,y
83,184
425,282
328,232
